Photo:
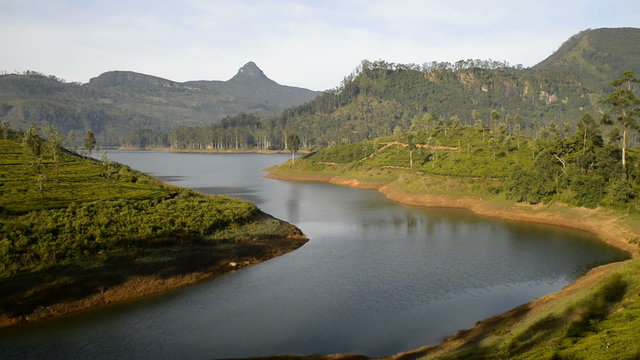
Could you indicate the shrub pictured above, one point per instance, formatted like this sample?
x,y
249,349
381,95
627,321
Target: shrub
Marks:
x,y
589,189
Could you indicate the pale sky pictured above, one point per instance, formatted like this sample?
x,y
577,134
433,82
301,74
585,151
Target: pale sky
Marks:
x,y
311,44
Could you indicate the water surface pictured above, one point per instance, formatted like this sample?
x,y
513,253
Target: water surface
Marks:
x,y
375,278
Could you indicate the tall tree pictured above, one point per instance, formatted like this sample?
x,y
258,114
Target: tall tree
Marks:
x,y
518,128
89,141
32,148
293,144
411,144
32,143
55,142
72,139
477,121
587,129
624,109
495,119
4,129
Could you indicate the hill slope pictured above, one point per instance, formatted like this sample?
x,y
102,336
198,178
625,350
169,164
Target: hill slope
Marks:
x,y
380,97
117,103
595,56
88,233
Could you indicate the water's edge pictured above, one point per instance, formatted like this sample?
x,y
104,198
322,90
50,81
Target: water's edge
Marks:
x,y
605,227
143,286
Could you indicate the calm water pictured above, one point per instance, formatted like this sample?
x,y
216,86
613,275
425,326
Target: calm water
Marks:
x,y
376,277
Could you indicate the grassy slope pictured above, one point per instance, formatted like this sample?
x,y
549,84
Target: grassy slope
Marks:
x,y
596,318
78,180
107,233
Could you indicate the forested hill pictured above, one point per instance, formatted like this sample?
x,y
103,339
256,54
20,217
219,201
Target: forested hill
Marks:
x,y
117,104
596,55
380,98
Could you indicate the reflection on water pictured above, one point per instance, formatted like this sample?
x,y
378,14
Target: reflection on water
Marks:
x,y
169,178
375,278
293,214
248,194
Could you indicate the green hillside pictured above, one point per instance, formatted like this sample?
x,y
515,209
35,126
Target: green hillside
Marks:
x,y
571,179
576,169
118,104
133,109
594,56
72,226
380,97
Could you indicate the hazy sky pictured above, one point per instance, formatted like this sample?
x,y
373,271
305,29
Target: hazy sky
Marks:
x,y
311,44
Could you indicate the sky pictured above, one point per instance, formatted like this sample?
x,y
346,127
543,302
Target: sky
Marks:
x,y
311,44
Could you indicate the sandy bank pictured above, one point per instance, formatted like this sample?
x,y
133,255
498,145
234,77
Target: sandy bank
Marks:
x,y
606,225
600,222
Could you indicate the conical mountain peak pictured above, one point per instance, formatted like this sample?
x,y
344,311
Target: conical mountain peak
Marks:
x,y
250,69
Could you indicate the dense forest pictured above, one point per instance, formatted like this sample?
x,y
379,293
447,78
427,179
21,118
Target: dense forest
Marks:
x,y
380,98
580,166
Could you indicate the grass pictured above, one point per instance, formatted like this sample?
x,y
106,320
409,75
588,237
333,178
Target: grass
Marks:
x,y
91,206
99,224
460,152
74,179
597,322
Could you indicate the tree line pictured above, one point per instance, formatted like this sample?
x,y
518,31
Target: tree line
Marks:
x,y
378,97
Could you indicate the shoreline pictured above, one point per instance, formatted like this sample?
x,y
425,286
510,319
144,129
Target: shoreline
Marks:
x,y
190,266
602,223
595,221
209,151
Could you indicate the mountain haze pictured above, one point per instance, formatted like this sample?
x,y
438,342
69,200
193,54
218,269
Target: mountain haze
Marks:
x,y
117,103
377,99
251,82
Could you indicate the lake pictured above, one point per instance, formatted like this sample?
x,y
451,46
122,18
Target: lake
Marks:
x,y
376,277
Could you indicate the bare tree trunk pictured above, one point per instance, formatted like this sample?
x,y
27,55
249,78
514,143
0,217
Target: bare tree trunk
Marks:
x,y
411,159
624,149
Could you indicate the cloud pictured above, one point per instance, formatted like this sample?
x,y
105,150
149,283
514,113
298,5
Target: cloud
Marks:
x,y
296,42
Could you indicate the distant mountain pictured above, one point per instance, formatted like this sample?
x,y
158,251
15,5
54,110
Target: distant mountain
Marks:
x,y
597,56
375,100
380,98
118,103
251,82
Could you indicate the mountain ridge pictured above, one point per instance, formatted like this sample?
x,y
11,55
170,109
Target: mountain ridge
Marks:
x,y
371,102
118,103
379,97
594,55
